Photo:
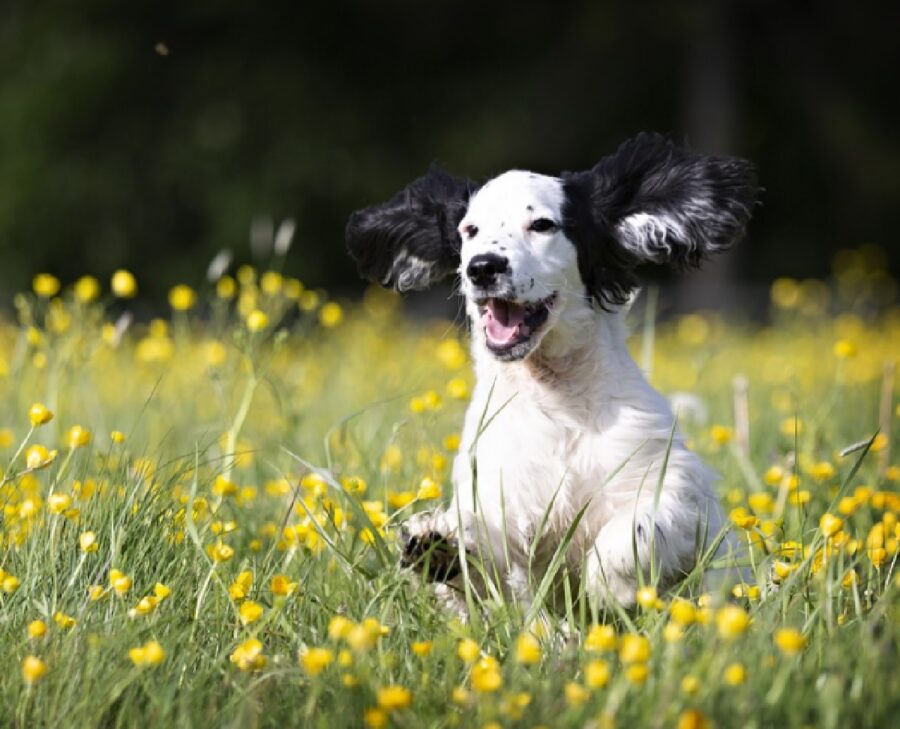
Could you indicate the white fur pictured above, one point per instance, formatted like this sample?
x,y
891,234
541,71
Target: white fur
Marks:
x,y
647,234
574,424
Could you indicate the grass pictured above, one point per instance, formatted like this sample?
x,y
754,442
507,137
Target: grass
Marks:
x,y
243,569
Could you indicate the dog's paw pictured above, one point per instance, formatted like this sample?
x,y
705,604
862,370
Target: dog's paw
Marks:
x,y
430,548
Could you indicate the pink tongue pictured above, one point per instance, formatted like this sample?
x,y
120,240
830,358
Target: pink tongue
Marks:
x,y
502,320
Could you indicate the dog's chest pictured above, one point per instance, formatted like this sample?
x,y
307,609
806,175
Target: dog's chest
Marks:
x,y
534,468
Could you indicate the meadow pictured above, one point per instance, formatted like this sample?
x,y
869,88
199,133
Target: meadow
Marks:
x,y
200,511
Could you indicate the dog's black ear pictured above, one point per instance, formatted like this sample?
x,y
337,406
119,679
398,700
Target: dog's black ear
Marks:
x,y
652,201
411,241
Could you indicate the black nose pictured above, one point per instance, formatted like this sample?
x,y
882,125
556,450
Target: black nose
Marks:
x,y
484,268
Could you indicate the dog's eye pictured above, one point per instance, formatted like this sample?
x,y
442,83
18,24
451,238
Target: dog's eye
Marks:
x,y
542,225
471,231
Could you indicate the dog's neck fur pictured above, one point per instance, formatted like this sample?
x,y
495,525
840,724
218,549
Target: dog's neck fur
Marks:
x,y
582,368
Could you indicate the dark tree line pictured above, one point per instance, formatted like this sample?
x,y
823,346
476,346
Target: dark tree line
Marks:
x,y
148,134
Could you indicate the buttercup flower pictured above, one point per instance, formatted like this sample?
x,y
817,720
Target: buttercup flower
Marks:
x,y
123,284
39,414
248,656
316,660
790,640
33,669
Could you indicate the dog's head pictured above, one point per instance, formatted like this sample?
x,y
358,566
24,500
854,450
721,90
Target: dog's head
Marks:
x,y
537,255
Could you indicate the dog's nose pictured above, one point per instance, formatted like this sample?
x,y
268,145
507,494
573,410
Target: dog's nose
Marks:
x,y
484,268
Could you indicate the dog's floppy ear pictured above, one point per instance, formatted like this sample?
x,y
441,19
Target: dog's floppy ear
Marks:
x,y
652,201
411,241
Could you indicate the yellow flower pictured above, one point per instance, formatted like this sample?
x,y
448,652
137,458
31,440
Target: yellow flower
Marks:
x,y
785,294
673,632
721,434
248,656
87,288
683,611
38,414
743,519
250,612
119,581
339,627
830,524
331,314
58,503
877,555
96,592
428,490
600,638
239,589
637,673
37,629
271,282
117,436
761,502
88,542
528,649
182,297
316,660
45,285
822,471
457,388
282,586
690,685
468,650
774,475
393,698
77,437
354,484
791,426
460,696
365,635
37,456
845,349
421,648
123,284
399,499
220,552
7,437
575,693
751,592
731,621
693,719
226,287
634,648
647,597
513,705
149,654
257,320
33,669
375,718
735,674
63,621
486,676
596,674
790,641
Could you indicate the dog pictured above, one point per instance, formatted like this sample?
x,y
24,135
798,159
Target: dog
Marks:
x,y
563,439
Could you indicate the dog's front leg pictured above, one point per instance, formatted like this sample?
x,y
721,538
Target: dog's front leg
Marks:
x,y
431,543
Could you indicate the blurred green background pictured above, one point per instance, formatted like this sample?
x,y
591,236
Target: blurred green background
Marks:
x,y
151,134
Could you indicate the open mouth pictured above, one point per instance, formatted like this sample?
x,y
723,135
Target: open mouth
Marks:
x,y
509,326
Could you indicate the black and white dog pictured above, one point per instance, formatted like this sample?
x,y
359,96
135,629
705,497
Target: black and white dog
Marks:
x,y
547,266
